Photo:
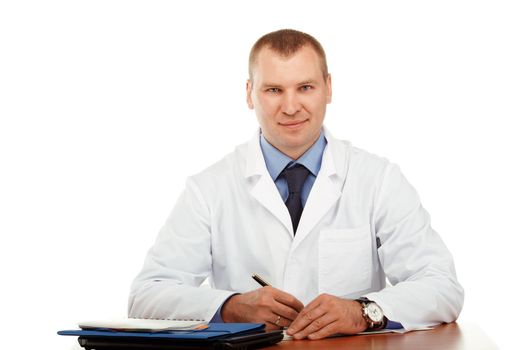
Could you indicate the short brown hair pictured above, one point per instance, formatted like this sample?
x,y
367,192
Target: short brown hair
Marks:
x,y
286,42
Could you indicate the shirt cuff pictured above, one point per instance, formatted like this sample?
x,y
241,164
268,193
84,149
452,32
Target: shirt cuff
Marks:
x,y
393,325
217,317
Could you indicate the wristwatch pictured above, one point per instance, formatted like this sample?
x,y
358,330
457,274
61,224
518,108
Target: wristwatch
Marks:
x,y
372,314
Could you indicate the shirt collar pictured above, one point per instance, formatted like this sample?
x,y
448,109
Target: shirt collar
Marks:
x,y
276,161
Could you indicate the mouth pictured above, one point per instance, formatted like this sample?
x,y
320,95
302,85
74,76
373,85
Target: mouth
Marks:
x,y
294,124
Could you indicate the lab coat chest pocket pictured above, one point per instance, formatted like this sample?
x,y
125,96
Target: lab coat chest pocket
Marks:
x,y
345,261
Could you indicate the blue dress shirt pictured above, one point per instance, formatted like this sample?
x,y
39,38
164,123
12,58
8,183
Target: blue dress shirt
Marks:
x,y
276,162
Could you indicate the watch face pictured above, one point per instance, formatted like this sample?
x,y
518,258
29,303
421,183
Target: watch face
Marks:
x,y
374,312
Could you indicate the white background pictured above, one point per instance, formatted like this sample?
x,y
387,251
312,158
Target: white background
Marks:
x,y
107,106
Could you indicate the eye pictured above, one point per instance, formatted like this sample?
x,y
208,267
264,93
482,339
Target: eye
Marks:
x,y
273,90
306,87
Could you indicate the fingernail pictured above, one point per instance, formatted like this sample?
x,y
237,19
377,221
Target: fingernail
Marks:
x,y
290,331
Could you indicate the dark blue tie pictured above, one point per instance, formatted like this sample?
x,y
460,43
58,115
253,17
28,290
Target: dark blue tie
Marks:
x,y
295,177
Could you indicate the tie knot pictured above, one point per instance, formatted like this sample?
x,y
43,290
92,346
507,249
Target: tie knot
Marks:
x,y
295,177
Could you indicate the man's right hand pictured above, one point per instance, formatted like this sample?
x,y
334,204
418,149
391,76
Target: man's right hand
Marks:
x,y
268,305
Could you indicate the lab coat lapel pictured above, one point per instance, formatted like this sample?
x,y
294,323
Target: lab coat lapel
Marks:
x,y
264,189
326,189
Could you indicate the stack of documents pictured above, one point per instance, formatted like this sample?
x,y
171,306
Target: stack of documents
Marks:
x,y
168,334
143,325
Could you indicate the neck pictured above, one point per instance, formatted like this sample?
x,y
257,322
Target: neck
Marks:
x,y
296,152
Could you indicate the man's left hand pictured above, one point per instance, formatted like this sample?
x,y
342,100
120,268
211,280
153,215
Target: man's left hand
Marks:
x,y
327,315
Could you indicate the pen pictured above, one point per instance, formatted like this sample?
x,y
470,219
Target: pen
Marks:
x,y
259,280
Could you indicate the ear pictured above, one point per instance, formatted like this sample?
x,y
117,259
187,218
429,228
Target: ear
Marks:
x,y
328,88
249,88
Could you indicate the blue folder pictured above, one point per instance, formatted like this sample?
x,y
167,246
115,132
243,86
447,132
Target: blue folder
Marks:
x,y
224,336
215,330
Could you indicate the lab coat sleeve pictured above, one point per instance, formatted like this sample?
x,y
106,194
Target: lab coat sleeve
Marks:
x,y
169,285
424,291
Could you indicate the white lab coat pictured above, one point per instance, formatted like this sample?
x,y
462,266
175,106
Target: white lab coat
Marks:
x,y
362,222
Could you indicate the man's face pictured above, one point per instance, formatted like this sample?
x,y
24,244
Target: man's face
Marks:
x,y
289,96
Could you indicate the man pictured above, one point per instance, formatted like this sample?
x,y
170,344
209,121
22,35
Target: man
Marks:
x,y
325,223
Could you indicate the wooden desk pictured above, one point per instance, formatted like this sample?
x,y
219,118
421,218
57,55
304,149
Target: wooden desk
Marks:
x,y
446,337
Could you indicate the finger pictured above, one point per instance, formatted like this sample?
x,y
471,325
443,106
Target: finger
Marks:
x,y
316,326
305,318
328,330
285,323
322,301
285,311
268,326
275,319
271,300
312,305
288,300
282,321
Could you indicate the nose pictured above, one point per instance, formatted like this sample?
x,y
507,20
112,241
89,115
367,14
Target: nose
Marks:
x,y
291,104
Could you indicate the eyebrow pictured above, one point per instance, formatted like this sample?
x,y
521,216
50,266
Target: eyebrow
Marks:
x,y
304,82
268,85
307,82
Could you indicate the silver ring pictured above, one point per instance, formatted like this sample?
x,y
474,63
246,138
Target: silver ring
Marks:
x,y
278,320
